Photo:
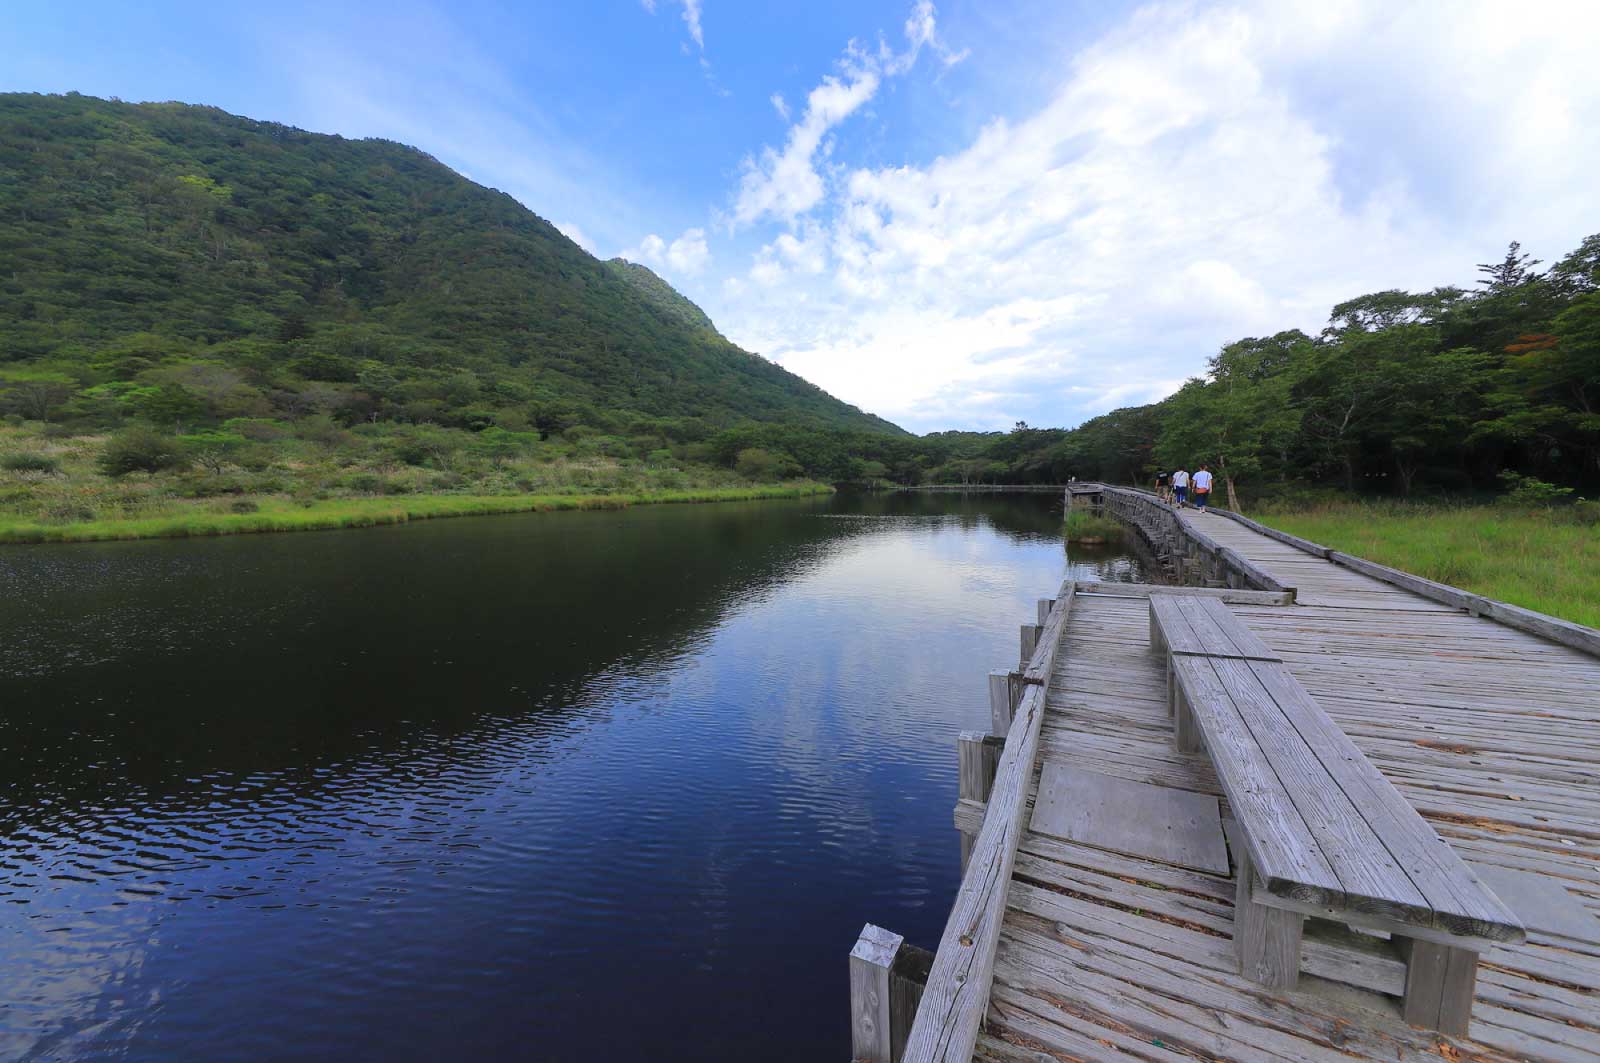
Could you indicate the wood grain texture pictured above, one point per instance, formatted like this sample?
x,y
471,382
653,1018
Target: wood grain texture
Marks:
x,y
1491,733
957,992
1177,827
1267,940
870,962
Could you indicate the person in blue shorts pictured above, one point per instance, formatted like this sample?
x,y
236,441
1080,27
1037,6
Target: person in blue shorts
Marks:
x,y
1180,487
1202,487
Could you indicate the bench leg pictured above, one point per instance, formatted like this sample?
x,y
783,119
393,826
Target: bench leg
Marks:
x,y
1188,735
1440,984
1172,690
1267,940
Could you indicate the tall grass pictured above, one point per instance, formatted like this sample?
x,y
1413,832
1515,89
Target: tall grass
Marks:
x,y
278,514
1081,525
1542,559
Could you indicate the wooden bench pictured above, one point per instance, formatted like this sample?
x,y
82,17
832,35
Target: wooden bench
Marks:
x,y
1193,625
1325,835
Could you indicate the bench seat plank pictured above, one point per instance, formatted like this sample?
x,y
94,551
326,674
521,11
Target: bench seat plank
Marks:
x,y
1372,880
1323,826
1213,621
1281,846
1190,624
1460,901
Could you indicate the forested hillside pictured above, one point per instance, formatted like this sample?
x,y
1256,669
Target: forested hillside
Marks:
x,y
1452,390
184,266
197,306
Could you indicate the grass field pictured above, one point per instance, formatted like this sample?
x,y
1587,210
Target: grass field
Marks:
x,y
280,514
1542,559
53,487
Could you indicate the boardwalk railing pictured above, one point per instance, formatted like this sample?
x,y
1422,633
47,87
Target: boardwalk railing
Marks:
x,y
1565,632
1191,553
956,993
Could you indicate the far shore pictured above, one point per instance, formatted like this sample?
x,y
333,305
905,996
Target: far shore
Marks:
x,y
275,514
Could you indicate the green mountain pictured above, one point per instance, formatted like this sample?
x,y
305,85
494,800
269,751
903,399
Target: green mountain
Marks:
x,y
362,277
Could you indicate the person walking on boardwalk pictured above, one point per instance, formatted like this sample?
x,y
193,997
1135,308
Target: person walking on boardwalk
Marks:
x,y
1202,487
1180,486
1161,485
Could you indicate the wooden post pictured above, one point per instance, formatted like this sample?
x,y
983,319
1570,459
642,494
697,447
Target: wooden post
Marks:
x,y
907,980
1187,734
1440,984
1030,641
979,756
1001,704
1267,940
870,962
1044,607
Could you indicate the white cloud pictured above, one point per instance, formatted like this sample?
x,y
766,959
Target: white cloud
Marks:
x,y
779,105
687,255
576,235
922,30
1198,176
784,184
691,19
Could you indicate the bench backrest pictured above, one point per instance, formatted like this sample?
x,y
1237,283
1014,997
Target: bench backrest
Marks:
x,y
1192,624
1324,827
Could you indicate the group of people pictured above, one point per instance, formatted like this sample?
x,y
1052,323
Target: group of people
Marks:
x,y
1180,488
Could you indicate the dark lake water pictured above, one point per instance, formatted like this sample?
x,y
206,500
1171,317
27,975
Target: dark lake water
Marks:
x,y
584,786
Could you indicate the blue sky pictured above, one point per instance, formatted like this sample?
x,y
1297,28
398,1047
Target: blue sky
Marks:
x,y
955,215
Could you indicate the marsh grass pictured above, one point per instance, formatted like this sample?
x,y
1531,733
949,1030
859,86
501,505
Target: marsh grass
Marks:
x,y
1082,526
1545,559
54,490
281,514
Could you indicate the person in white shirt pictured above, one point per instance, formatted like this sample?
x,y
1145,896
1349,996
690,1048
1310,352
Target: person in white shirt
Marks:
x,y
1180,486
1202,487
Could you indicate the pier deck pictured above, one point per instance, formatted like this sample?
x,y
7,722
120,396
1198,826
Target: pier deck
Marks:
x,y
1493,734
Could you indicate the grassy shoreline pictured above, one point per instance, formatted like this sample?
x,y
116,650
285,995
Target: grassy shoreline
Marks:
x,y
283,515
1540,559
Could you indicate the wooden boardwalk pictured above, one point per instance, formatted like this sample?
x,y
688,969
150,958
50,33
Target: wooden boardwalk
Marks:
x,y
1493,735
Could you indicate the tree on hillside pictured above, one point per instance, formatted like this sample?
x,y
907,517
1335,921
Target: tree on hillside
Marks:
x,y
1513,271
1241,420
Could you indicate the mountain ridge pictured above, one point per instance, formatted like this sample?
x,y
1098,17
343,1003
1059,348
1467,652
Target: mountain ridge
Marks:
x,y
144,235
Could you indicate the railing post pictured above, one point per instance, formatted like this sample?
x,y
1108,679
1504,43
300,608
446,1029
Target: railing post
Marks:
x,y
979,756
1030,641
870,963
1001,705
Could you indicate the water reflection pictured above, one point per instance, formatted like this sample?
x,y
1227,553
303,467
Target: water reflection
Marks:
x,y
560,786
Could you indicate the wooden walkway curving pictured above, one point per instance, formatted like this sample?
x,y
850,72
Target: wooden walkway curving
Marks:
x,y
1493,734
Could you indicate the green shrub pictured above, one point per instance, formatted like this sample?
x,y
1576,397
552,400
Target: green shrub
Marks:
x,y
756,463
30,461
243,505
1583,513
141,450
1083,526
1526,492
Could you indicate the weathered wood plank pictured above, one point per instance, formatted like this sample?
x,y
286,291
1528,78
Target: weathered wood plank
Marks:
x,y
1371,878
958,985
1145,590
1459,902
870,963
1267,940
1275,830
1155,822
